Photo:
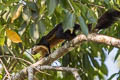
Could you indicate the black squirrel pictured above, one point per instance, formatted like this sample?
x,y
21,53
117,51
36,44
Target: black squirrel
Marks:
x,y
57,34
54,37
107,19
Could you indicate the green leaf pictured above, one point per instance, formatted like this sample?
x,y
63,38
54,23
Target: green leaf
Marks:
x,y
32,6
118,78
34,32
8,2
69,21
51,6
2,6
86,62
42,27
22,28
28,57
101,76
112,76
91,16
64,3
1,76
2,38
103,56
6,16
66,60
104,69
26,14
116,56
95,63
34,10
14,9
94,49
88,67
83,25
83,9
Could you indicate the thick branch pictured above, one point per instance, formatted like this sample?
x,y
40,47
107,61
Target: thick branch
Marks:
x,y
57,68
74,71
70,46
76,75
104,39
30,73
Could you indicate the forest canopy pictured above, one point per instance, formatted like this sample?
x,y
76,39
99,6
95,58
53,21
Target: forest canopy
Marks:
x,y
24,22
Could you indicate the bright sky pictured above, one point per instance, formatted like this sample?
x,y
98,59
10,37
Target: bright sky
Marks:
x,y
112,66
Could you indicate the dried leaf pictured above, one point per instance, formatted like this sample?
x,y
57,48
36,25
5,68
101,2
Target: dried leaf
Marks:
x,y
13,36
17,13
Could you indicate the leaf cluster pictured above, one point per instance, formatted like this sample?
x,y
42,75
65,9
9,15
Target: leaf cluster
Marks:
x,y
24,22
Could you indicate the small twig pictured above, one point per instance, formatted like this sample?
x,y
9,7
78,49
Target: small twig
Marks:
x,y
11,65
11,52
17,58
76,75
4,78
26,62
96,5
5,69
71,6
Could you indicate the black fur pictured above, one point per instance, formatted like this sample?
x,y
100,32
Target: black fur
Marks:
x,y
56,34
107,19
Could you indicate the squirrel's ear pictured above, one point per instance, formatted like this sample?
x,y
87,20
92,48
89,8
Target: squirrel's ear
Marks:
x,y
107,19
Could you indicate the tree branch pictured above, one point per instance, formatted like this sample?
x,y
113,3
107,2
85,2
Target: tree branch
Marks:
x,y
30,73
74,71
76,75
68,47
57,68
